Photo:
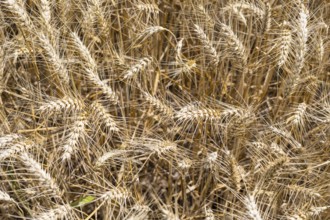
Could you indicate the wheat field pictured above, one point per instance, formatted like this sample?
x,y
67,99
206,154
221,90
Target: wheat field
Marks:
x,y
171,109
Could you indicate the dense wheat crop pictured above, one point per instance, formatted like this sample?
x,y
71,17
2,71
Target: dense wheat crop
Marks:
x,y
171,109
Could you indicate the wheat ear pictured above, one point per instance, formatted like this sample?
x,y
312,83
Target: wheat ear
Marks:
x,y
60,212
271,169
83,52
302,31
139,212
285,44
43,176
148,8
206,44
71,144
45,10
301,190
54,62
8,138
137,68
14,149
298,117
236,175
5,197
193,112
18,13
237,9
245,6
178,50
148,32
234,42
209,215
90,67
66,105
108,155
117,193
159,105
252,208
103,117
